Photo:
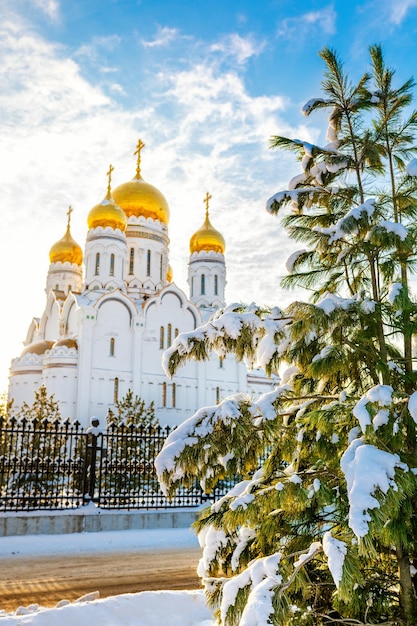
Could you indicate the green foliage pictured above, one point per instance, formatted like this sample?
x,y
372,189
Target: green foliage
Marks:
x,y
43,408
324,530
33,447
132,410
131,446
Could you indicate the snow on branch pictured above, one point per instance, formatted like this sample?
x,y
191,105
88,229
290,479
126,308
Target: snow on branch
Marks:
x,y
381,395
233,329
187,455
367,470
261,577
395,227
314,103
346,225
251,334
293,196
335,550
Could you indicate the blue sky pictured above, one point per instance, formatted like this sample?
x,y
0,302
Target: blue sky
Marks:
x,y
203,83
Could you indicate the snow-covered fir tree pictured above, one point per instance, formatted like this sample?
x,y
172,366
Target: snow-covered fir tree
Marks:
x,y
324,529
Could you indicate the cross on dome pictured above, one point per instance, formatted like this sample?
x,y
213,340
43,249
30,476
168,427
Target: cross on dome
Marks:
x,y
70,210
108,174
206,202
139,148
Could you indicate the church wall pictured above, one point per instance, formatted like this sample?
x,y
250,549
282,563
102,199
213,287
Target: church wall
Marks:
x,y
62,383
111,360
22,385
49,324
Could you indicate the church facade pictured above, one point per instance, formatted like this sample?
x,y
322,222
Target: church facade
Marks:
x,y
111,312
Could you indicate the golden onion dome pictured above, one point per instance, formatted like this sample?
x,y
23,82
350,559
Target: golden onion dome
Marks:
x,y
207,238
38,347
68,343
139,198
170,274
66,249
107,212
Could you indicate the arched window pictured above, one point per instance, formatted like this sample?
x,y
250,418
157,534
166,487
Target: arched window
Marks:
x,y
148,263
221,362
176,333
216,285
161,337
112,265
160,268
112,346
116,390
217,395
203,284
97,272
192,286
174,395
169,338
131,260
164,394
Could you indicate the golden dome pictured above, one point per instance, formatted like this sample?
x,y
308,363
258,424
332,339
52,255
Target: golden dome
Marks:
x,y
68,343
207,238
39,347
107,212
170,274
139,198
66,249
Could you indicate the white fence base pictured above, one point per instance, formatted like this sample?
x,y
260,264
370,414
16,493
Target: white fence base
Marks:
x,y
89,519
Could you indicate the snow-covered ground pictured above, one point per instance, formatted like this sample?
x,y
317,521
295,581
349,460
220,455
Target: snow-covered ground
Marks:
x,y
149,608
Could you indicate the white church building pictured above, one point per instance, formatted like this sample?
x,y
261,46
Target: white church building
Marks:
x,y
105,326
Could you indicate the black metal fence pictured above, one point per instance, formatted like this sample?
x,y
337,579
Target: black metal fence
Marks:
x,y
63,466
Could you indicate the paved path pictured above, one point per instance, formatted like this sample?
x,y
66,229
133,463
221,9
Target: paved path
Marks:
x,y
46,580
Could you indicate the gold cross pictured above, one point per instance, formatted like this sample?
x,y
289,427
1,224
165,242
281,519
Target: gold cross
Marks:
x,y
70,210
138,150
109,173
206,202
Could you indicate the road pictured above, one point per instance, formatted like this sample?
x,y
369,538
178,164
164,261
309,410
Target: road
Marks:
x,y
46,580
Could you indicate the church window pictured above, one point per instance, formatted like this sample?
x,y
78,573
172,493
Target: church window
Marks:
x,y
192,286
164,394
116,390
131,260
221,362
216,285
174,395
160,268
203,284
112,342
57,287
97,272
176,333
217,395
112,265
161,337
148,263
169,338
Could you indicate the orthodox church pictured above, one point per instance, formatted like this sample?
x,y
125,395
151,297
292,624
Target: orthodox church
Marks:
x,y
104,328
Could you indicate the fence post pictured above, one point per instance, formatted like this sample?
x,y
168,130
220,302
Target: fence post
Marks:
x,y
90,465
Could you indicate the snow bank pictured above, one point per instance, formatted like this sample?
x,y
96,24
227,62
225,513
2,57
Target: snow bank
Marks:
x,y
148,608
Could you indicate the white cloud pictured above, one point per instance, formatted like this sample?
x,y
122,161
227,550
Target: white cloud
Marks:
x,y
92,49
398,9
49,7
321,21
242,48
164,37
